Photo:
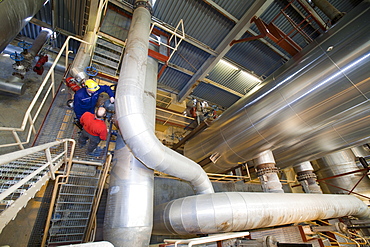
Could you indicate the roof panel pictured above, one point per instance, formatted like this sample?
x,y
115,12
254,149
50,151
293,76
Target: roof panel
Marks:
x,y
255,56
189,57
201,21
214,95
235,8
172,78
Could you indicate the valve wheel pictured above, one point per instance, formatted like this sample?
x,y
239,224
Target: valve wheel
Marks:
x,y
91,71
16,57
24,45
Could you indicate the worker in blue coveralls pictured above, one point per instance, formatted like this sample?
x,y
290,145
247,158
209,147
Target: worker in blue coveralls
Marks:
x,y
86,98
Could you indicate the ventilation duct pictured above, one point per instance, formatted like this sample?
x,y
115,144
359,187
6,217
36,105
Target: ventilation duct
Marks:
x,y
315,104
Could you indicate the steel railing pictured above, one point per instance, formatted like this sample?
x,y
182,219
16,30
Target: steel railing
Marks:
x,y
29,119
25,179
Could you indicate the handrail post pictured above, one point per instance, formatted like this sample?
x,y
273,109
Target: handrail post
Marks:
x,y
50,162
52,83
32,124
18,140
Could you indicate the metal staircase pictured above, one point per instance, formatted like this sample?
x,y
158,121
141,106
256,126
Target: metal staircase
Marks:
x,y
107,57
73,205
24,172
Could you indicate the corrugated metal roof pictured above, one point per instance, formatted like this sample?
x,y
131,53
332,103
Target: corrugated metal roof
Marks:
x,y
189,57
235,8
214,95
232,78
173,79
255,56
201,21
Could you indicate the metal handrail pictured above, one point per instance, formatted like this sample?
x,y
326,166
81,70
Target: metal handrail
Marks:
x,y
28,118
53,163
91,227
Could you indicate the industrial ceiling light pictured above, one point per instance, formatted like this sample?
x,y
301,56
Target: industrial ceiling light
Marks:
x,y
229,64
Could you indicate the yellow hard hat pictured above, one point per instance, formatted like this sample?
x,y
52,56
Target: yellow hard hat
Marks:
x,y
92,85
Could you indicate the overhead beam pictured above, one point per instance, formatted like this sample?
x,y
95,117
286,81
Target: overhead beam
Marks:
x,y
234,19
58,30
239,29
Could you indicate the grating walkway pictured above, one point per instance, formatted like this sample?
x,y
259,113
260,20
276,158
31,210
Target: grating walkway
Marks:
x,y
59,125
75,198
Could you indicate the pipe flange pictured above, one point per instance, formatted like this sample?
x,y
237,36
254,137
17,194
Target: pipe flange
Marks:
x,y
306,176
144,4
262,171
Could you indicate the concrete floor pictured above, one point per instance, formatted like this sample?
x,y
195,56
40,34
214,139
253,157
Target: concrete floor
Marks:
x,y
13,107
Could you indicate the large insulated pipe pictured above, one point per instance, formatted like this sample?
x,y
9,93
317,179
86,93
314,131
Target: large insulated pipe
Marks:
x,y
83,57
236,211
130,110
39,42
129,216
12,84
14,15
333,166
315,104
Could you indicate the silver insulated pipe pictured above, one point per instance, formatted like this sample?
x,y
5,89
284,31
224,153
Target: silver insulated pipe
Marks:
x,y
235,211
14,15
130,110
129,216
315,104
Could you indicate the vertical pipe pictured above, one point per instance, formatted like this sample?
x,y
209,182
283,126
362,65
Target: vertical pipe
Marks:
x,y
307,178
130,109
39,42
335,164
82,59
129,216
268,173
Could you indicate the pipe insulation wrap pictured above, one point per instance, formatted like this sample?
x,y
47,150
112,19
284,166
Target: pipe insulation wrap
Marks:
x,y
130,112
316,103
129,218
14,15
82,59
238,211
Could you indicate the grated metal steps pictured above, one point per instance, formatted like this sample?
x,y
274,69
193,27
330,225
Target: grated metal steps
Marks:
x,y
73,205
13,172
107,57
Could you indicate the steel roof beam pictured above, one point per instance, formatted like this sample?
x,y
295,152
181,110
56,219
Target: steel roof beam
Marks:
x,y
239,29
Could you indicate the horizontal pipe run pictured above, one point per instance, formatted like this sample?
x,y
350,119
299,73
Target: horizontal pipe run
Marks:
x,y
236,211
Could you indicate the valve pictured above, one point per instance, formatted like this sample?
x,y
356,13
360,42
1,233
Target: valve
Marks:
x,y
24,45
91,71
16,57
